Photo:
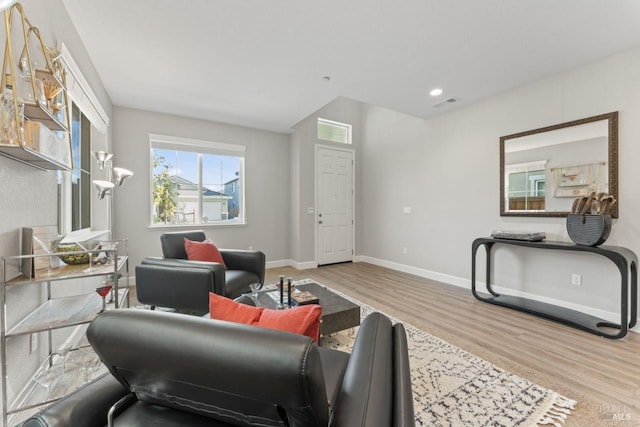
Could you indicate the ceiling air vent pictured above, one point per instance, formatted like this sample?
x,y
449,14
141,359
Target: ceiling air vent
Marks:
x,y
448,101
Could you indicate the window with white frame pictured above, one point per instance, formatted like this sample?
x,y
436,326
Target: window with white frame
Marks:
x,y
526,179
196,182
328,130
81,172
88,120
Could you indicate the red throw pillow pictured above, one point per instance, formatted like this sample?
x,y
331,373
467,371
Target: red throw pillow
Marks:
x,y
222,308
203,251
304,320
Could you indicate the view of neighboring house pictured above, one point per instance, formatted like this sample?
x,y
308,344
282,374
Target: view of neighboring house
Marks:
x,y
231,188
215,205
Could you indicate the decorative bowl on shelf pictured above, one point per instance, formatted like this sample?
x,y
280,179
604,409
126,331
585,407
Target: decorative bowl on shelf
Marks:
x,y
81,257
73,259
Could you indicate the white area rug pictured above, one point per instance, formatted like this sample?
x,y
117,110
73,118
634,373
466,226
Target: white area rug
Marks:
x,y
452,387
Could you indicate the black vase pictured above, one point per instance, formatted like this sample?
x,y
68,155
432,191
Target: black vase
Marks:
x,y
588,230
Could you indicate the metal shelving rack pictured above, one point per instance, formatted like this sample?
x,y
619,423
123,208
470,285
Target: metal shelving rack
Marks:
x,y
55,313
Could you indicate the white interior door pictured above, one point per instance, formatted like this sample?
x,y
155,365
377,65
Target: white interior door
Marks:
x,y
334,207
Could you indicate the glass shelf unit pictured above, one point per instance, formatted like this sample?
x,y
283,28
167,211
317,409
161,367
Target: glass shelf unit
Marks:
x,y
54,313
82,367
35,112
45,105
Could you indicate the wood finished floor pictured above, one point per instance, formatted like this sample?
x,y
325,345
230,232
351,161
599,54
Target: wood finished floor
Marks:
x,y
603,375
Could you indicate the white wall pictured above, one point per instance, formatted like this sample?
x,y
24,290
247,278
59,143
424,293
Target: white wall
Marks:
x,y
267,184
447,169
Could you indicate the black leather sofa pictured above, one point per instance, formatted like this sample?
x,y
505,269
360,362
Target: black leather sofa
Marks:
x,y
172,370
175,282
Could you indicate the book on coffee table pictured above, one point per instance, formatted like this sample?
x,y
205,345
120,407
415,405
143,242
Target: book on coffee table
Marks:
x,y
304,297
298,297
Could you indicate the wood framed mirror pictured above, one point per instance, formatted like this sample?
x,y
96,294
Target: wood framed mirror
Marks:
x,y
542,171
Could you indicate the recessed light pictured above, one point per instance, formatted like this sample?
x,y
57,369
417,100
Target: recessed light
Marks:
x,y
436,92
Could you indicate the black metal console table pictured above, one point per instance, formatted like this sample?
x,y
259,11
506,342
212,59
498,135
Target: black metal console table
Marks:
x,y
624,259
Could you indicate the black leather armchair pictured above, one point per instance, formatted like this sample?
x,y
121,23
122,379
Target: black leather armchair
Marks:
x,y
175,282
175,370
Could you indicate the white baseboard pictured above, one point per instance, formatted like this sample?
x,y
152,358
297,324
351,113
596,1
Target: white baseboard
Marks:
x,y
278,263
304,265
291,263
466,283
427,274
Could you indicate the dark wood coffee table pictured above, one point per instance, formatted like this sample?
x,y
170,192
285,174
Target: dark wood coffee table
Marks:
x,y
337,313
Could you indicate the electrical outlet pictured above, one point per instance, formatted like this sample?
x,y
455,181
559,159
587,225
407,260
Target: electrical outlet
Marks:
x,y
34,343
250,248
405,251
576,279
406,210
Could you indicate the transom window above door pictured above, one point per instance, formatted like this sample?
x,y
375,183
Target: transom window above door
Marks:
x,y
328,130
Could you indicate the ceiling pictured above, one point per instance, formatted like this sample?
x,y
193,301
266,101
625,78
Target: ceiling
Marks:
x,y
263,64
